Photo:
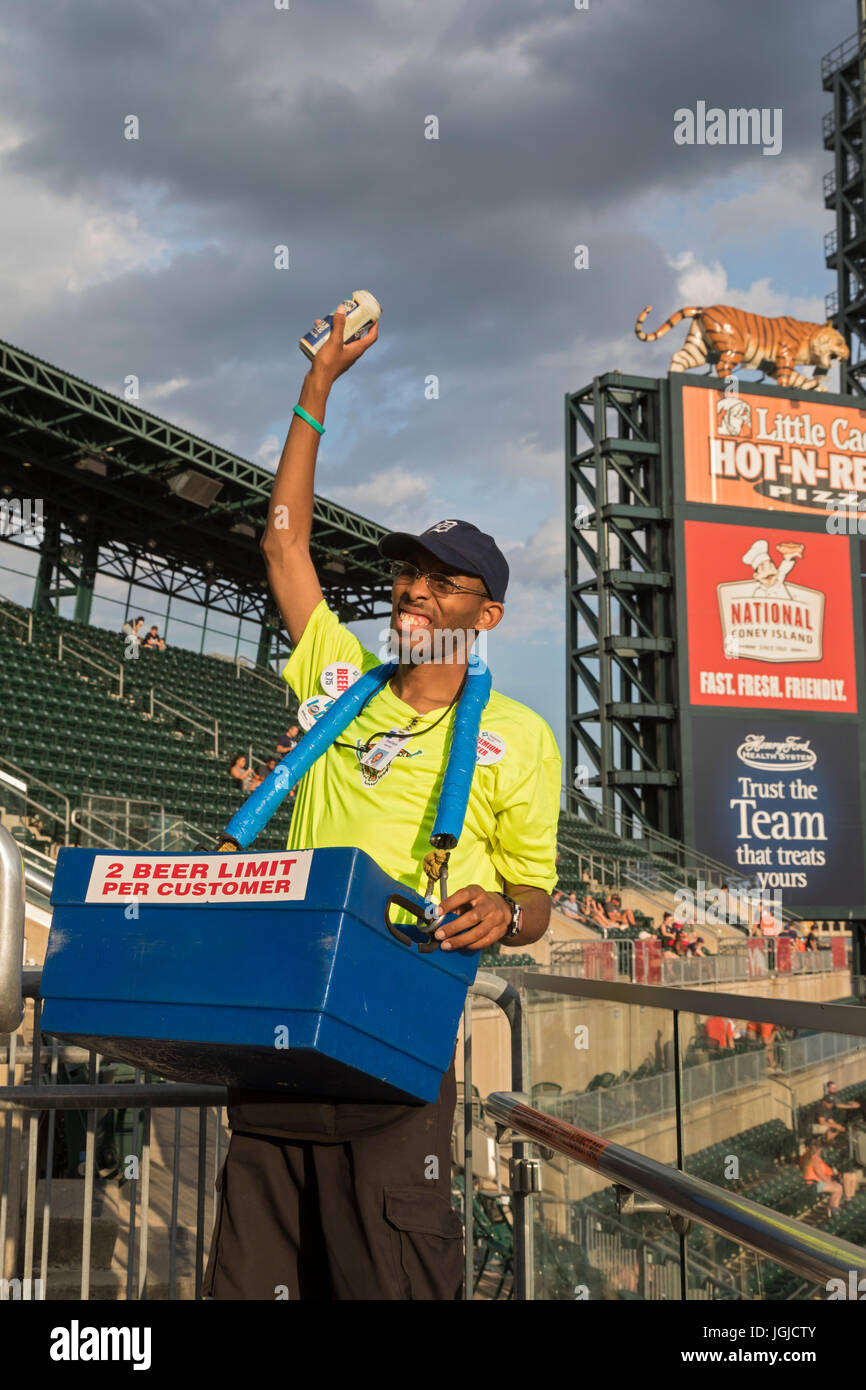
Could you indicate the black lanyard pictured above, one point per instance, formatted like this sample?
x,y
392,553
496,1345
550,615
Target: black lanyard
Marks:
x,y
381,733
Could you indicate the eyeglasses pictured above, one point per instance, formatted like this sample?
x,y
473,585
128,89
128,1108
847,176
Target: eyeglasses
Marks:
x,y
439,583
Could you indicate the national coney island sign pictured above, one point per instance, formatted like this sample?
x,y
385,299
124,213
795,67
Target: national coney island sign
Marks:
x,y
745,450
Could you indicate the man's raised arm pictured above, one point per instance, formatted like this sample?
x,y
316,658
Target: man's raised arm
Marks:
x,y
286,541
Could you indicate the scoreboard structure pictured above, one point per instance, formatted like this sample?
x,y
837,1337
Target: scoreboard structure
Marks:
x,y
716,664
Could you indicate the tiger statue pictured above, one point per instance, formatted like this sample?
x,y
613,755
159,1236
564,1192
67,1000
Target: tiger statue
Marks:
x,y
732,338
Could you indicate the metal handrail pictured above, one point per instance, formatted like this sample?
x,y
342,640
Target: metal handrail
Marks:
x,y
6,613
840,55
214,732
268,679
11,932
40,883
189,703
22,772
176,826
106,670
605,814
91,815
724,967
701,862
815,1255
29,852
847,1019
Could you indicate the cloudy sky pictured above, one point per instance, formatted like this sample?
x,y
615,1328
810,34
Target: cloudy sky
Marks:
x,y
305,126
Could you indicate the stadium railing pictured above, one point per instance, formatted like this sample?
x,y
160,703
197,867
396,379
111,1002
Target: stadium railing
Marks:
x,y
70,650
652,863
212,729
173,834
107,1177
17,799
684,1112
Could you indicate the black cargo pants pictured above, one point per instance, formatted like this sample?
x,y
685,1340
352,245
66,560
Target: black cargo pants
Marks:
x,y
361,1217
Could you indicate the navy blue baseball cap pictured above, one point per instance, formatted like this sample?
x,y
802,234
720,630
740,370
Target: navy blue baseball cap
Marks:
x,y
456,543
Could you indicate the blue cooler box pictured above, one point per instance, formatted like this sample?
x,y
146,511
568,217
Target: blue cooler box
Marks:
x,y
259,970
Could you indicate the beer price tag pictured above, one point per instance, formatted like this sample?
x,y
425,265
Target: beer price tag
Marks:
x,y
385,750
338,677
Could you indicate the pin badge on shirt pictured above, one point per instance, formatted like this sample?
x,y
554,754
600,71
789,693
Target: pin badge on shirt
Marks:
x,y
338,676
313,709
491,748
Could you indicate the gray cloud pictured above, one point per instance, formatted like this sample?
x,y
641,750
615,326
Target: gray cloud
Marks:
x,y
305,127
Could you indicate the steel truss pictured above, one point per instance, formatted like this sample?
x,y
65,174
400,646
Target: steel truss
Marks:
x,y
842,73
102,466
621,677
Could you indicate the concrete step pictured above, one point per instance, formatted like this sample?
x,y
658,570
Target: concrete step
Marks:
x,y
66,1227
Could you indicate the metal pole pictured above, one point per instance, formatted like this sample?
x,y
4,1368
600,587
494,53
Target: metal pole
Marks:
x,y
678,1102
199,1199
11,932
468,1235
89,1163
175,1180
812,1253
490,986
521,1201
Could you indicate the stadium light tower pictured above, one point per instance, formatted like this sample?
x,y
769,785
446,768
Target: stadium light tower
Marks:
x,y
842,74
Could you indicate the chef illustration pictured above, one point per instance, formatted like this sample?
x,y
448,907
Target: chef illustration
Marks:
x,y
770,577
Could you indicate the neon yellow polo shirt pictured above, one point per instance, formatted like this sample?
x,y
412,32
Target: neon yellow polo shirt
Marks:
x,y
510,829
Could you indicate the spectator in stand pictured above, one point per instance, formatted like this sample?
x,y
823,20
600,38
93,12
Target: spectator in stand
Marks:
x,y
241,773
270,764
769,926
811,942
815,1170
789,933
695,944
724,904
667,933
132,628
765,1033
824,1125
681,941
831,1102
616,913
598,917
720,1030
570,907
289,740
153,641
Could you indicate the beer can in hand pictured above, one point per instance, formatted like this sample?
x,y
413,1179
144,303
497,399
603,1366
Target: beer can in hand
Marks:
x,y
362,311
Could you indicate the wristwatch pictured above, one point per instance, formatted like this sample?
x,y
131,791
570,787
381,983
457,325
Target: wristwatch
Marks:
x,y
516,924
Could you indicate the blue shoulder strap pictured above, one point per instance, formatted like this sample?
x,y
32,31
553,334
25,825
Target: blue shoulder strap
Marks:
x,y
257,810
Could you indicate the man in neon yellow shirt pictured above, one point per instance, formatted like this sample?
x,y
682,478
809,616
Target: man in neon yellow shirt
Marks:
x,y
346,1200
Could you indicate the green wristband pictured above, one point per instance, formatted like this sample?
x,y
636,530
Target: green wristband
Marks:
x,y
299,410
